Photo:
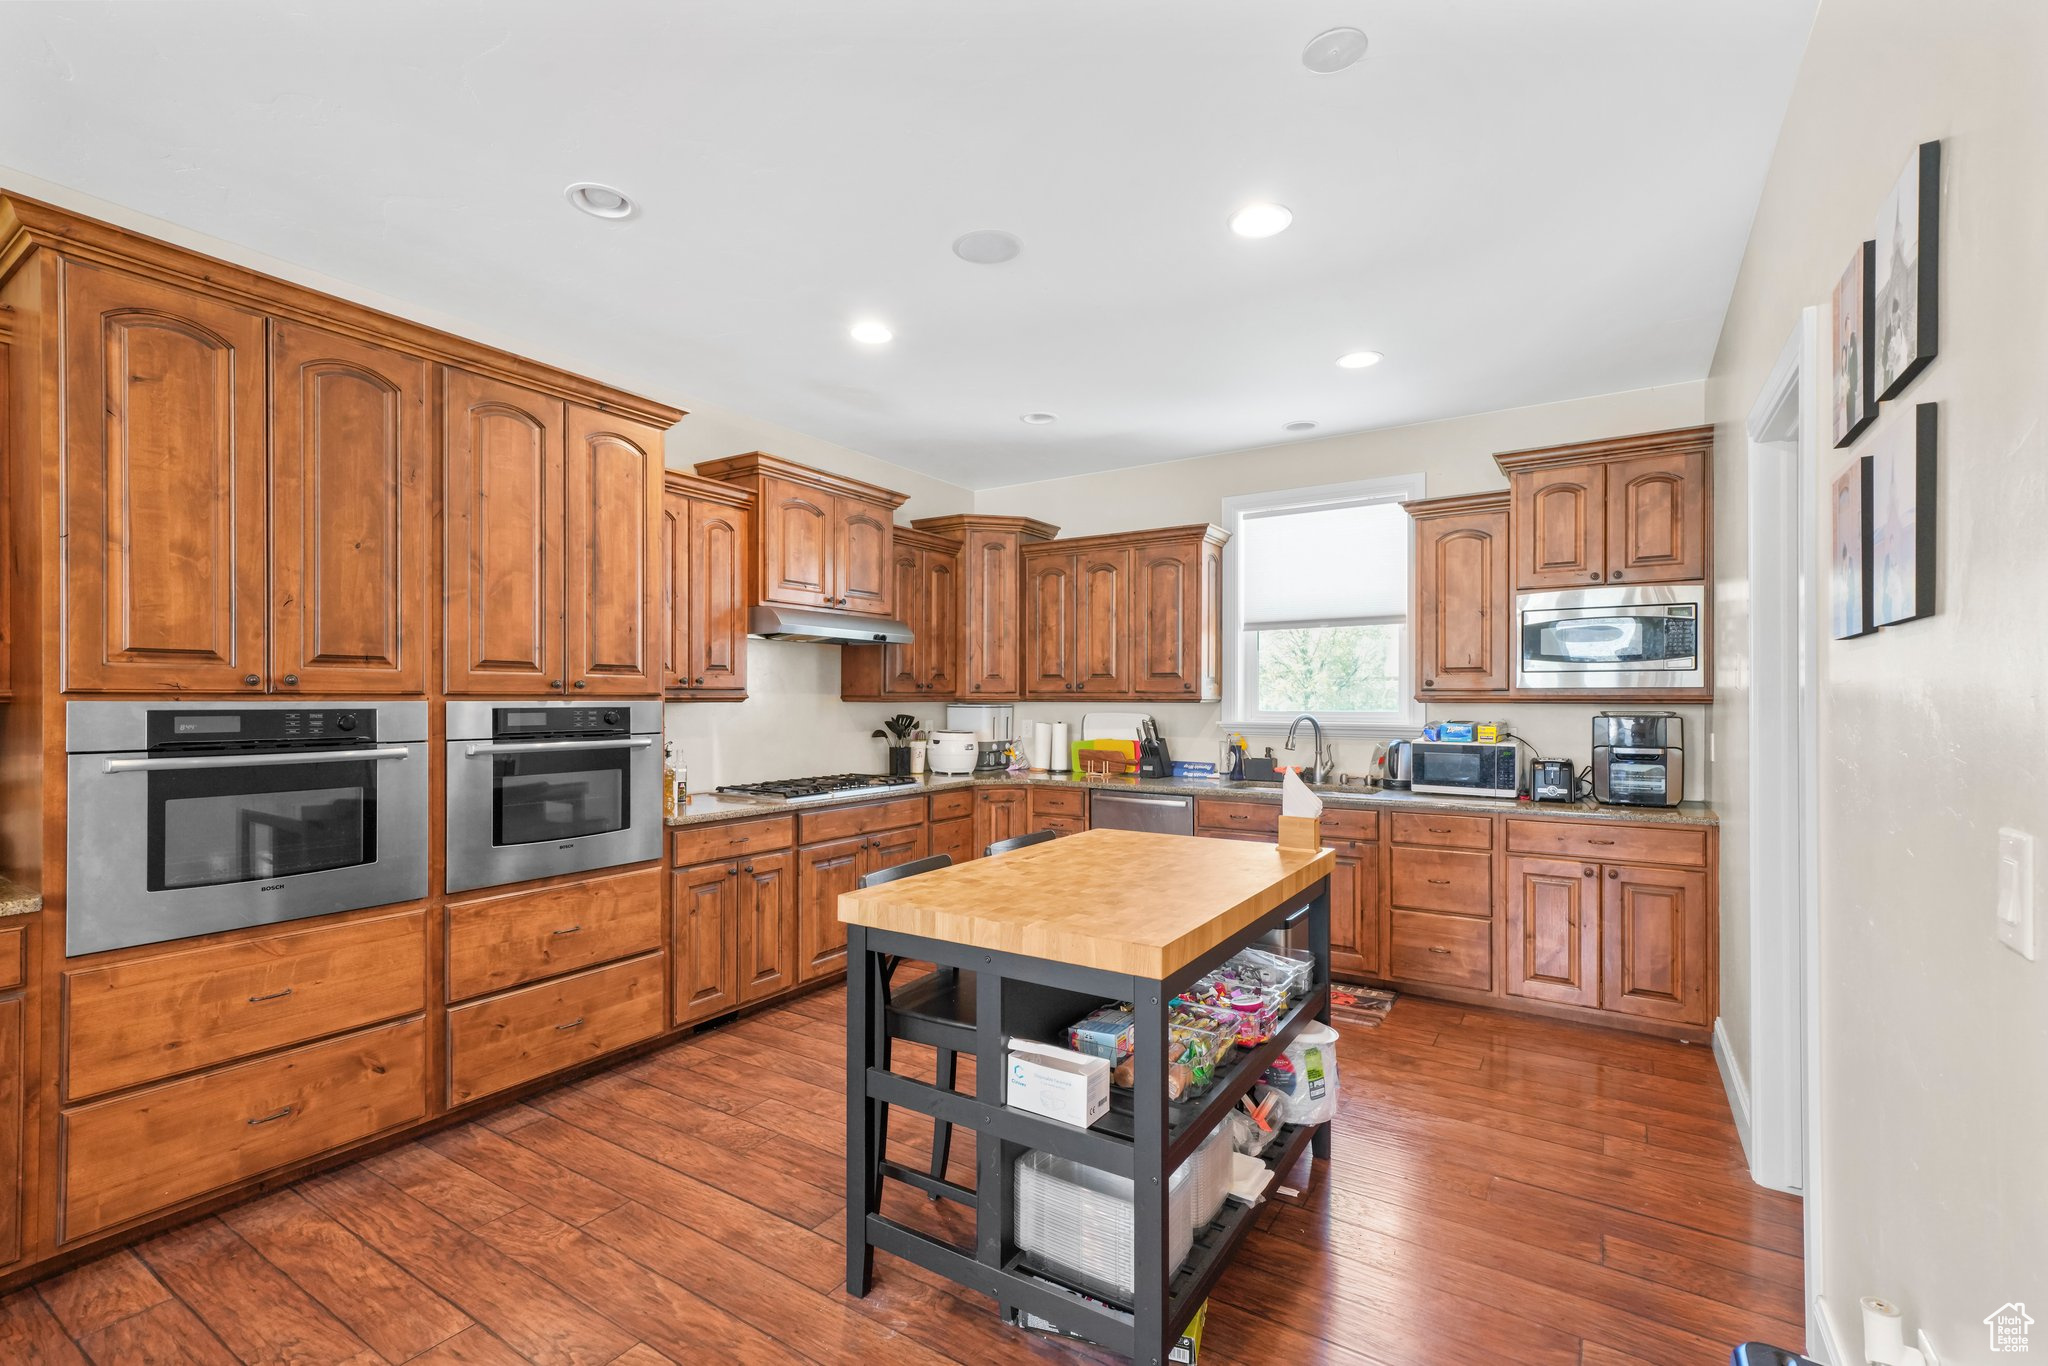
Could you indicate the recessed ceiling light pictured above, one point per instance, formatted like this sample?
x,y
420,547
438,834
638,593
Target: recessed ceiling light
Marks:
x,y
987,247
871,332
1358,360
1333,49
1261,220
1299,427
600,201
1039,419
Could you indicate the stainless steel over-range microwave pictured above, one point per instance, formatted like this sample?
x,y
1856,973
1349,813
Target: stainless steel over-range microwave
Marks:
x,y
1646,636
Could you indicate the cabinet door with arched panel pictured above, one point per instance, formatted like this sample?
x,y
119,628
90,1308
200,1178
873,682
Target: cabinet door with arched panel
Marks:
x,y
1560,517
1656,518
1461,606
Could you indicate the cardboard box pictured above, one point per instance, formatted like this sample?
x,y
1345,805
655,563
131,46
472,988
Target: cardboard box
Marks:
x,y
1057,1083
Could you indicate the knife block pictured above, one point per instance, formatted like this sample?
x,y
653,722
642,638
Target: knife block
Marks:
x,y
1301,833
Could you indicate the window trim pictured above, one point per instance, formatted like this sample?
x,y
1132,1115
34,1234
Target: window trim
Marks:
x,y
1239,647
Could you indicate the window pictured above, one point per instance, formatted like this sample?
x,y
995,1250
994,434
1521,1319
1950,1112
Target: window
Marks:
x,y
1316,606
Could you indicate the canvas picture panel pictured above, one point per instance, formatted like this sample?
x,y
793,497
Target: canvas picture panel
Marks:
x,y
1849,561
1855,401
1902,518
1903,304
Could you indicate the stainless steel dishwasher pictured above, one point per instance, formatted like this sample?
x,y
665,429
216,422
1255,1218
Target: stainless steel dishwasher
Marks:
x,y
1141,811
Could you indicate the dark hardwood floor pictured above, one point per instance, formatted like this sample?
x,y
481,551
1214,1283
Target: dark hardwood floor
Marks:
x,y
1504,1190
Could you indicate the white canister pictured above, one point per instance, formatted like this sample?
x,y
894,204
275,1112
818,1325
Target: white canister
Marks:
x,y
951,751
917,756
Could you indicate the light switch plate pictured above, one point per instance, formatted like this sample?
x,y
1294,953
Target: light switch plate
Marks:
x,y
2016,892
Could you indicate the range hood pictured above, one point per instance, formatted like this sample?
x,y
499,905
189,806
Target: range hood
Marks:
x,y
832,628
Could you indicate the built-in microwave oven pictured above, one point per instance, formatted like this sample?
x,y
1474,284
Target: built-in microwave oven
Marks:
x,y
1460,768
1644,636
188,818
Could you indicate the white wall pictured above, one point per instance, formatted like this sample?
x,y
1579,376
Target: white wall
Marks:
x,y
1934,1039
1454,456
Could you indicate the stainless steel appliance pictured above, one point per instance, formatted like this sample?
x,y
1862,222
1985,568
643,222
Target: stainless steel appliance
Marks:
x,y
994,727
1638,637
1552,780
193,817
1400,770
819,789
540,788
1463,768
1162,815
1639,758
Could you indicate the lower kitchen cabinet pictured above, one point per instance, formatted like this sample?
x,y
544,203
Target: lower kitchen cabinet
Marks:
x,y
147,1150
1062,810
1654,944
510,938
1355,907
1000,813
518,1036
825,870
954,839
13,1009
1441,950
1553,930
735,934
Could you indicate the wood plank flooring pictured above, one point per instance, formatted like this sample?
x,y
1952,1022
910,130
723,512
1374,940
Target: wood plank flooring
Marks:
x,y
1504,1190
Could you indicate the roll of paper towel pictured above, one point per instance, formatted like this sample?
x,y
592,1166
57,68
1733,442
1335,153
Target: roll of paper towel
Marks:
x,y
1884,1337
1062,749
1041,745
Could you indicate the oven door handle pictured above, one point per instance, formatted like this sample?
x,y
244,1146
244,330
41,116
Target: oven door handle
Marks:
x,y
479,751
336,756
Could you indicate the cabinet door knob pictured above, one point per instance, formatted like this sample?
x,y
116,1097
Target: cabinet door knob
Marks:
x,y
555,683
581,683
700,682
291,680
251,680
1594,577
1615,575
733,871
748,869
1614,872
1429,682
1592,872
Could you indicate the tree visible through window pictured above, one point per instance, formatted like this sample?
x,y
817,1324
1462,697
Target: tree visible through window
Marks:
x,y
1329,668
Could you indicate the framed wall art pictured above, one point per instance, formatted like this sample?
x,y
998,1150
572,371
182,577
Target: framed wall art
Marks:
x,y
1855,400
1849,562
1904,304
1902,518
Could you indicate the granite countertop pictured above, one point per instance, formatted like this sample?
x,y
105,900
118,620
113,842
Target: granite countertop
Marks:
x,y
16,899
709,807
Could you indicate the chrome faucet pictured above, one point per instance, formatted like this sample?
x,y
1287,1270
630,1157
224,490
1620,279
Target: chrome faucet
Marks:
x,y
1318,771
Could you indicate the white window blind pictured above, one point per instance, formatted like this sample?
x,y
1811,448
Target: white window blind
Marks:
x,y
1326,565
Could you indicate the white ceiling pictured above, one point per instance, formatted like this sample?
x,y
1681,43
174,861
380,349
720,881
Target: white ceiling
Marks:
x,y
1516,200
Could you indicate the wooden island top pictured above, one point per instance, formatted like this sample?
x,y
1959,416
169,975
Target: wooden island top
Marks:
x,y
1119,900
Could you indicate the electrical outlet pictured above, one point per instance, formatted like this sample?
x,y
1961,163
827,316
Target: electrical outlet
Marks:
x,y
2016,892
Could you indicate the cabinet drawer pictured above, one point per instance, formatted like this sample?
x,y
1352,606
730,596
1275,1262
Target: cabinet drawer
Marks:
x,y
954,839
1449,950
1212,814
1443,832
953,804
502,941
1345,823
862,820
1059,825
1441,880
137,1154
1610,841
709,843
1059,801
531,1032
156,1017
13,957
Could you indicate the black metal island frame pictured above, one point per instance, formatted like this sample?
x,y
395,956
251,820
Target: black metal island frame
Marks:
x,y
1024,944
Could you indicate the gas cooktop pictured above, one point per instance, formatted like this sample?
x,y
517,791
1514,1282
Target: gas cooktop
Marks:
x,y
817,789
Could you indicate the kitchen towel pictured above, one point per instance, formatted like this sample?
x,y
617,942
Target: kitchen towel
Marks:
x,y
1041,745
1061,755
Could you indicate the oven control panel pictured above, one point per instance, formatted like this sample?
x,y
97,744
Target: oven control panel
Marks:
x,y
512,723
260,728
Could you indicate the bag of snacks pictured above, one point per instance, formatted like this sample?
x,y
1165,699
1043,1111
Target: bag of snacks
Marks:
x,y
1106,1032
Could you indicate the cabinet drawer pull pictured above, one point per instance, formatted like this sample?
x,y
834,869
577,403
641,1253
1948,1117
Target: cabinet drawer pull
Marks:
x,y
1439,829
1591,840
741,839
576,1023
274,1115
1437,948
1439,882
273,996
573,929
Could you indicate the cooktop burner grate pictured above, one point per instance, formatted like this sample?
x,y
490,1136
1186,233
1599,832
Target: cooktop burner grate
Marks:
x,y
816,789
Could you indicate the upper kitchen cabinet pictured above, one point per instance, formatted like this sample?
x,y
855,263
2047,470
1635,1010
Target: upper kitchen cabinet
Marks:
x,y
1131,615
1460,606
928,600
990,656
351,506
1628,510
553,516
824,542
165,419
706,539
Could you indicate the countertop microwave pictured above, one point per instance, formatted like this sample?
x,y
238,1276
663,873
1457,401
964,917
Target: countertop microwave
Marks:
x,y
1459,768
1644,636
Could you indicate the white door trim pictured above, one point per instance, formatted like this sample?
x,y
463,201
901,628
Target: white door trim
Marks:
x,y
1784,442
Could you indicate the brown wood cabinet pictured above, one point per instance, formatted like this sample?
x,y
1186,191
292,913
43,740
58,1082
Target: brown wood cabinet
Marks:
x,y
765,947
842,846
553,518
1130,615
13,1128
928,599
1000,813
1655,956
1355,904
351,499
1177,618
706,543
990,656
1460,596
1630,510
165,498
823,541
507,939
8,569
1553,930
518,1036
734,933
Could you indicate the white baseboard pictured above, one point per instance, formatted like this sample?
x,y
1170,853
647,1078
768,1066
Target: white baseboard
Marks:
x,y
1825,1336
1737,1088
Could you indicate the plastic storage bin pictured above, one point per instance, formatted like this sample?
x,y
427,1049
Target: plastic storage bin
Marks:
x,y
1075,1222
1211,1171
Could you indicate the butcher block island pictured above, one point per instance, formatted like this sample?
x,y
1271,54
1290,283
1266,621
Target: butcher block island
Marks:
x,y
1022,946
